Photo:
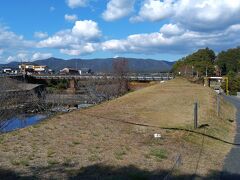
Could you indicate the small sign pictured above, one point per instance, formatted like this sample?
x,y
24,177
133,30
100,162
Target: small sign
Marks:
x,y
157,135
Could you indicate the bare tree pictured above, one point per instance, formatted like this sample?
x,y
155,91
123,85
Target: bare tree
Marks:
x,y
120,70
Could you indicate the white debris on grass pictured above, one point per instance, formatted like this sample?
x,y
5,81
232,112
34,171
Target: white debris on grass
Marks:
x,y
157,135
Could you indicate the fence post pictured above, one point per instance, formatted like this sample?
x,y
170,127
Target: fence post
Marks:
x,y
218,105
195,115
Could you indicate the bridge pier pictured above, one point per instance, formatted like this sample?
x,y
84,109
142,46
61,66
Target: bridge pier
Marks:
x,y
72,86
206,82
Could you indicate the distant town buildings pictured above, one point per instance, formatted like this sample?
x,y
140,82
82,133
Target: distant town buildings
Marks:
x,y
69,71
84,71
31,68
9,70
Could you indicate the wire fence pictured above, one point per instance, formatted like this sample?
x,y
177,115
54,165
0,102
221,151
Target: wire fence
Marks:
x,y
175,166
17,97
178,161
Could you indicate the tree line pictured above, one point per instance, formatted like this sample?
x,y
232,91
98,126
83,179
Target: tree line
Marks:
x,y
205,62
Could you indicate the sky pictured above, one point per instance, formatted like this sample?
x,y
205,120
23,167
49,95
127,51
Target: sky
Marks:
x,y
157,29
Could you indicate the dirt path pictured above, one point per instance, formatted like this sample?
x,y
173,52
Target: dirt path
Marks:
x,y
231,169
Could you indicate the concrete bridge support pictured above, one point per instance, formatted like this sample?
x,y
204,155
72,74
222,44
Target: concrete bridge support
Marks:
x,y
206,82
72,86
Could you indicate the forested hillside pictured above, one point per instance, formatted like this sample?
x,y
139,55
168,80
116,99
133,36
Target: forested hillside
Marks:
x,y
205,62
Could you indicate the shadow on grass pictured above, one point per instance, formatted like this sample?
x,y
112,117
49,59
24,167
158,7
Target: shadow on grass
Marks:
x,y
6,174
99,171
203,126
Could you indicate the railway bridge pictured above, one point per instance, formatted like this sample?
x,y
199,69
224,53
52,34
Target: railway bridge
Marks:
x,y
137,77
74,78
134,77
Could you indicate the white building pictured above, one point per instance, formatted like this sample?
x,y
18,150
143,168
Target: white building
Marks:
x,y
33,68
8,70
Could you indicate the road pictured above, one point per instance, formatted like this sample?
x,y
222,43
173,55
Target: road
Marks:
x,y
231,169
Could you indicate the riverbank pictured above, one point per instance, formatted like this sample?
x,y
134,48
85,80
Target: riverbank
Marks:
x,y
29,114
116,138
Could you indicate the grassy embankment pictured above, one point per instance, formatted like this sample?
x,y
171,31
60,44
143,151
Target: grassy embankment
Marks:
x,y
93,143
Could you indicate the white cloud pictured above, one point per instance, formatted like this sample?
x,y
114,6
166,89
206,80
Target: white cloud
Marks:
x,y
171,29
86,29
76,3
40,35
81,39
87,48
39,56
205,15
115,45
191,25
20,56
71,17
23,56
11,59
82,32
117,9
15,48
198,15
154,10
27,56
9,40
59,40
11,43
177,41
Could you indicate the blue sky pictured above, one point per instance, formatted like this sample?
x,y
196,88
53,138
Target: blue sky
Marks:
x,y
159,29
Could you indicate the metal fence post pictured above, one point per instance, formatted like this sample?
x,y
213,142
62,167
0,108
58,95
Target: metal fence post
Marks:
x,y
218,105
195,115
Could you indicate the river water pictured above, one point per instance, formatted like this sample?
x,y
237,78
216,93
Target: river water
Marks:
x,y
22,121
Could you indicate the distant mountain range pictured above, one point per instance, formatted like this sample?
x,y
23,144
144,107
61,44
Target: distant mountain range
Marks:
x,y
101,65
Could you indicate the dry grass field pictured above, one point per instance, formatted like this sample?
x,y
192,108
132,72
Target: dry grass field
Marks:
x,y
134,86
102,142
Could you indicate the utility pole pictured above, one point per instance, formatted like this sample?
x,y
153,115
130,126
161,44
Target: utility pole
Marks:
x,y
227,86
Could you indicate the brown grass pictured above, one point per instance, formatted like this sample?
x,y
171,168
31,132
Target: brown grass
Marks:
x,y
139,85
72,144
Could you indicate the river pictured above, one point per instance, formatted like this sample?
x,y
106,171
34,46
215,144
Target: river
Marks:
x,y
22,121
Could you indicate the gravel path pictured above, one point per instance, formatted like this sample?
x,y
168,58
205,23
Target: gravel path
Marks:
x,y
231,169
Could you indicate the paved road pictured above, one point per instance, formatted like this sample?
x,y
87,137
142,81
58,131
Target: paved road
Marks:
x,y
231,169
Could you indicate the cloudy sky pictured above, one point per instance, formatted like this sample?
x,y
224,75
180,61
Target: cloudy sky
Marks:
x,y
160,29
